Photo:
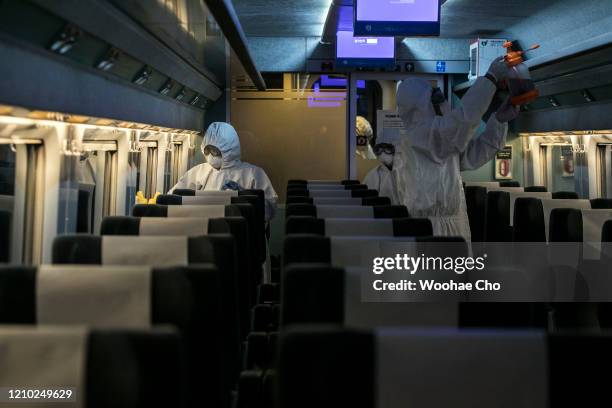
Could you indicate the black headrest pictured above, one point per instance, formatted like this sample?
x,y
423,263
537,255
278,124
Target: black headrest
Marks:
x,y
355,187
299,200
390,211
565,195
339,364
497,225
169,199
442,246
601,203
184,192
305,182
364,193
150,210
606,231
5,235
301,248
535,189
402,227
529,223
119,225
372,201
565,225
146,359
312,293
297,192
308,210
304,225
476,200
412,227
87,249
509,183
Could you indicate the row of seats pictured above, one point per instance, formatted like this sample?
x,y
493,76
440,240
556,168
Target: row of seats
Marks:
x,y
506,214
327,223
333,348
191,266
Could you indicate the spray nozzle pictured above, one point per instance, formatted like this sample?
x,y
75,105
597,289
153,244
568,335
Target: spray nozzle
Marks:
x,y
514,58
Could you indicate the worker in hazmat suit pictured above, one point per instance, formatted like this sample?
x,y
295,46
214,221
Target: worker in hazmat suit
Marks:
x,y
224,170
383,177
363,129
441,142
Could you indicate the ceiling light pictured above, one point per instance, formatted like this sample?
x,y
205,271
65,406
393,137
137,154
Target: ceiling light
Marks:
x,y
143,76
66,39
554,102
109,59
587,96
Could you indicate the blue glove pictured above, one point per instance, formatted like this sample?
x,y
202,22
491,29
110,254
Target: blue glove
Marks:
x,y
231,185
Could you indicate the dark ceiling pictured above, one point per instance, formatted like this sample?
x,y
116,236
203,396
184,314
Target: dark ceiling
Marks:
x,y
303,18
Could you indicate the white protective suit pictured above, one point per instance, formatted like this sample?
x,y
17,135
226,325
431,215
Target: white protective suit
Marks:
x,y
223,136
384,180
438,148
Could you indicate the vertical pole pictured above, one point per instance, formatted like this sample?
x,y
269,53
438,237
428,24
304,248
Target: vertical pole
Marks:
x,y
351,123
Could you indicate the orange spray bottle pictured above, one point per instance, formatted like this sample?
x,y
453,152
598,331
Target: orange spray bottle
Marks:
x,y
520,85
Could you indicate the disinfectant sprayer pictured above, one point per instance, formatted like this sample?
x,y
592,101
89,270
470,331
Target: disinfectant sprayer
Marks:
x,y
520,85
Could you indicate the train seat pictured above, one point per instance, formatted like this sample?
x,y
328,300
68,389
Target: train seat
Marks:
x,y
310,183
135,298
565,195
156,251
318,293
476,201
250,196
257,255
299,192
500,213
237,207
389,366
398,227
536,189
346,211
5,235
248,274
532,216
354,251
142,368
601,203
366,201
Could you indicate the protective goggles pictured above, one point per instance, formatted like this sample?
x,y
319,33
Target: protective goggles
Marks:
x,y
381,148
212,150
437,98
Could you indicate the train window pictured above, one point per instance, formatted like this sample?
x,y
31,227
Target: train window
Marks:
x,y
172,164
148,166
97,177
133,178
21,200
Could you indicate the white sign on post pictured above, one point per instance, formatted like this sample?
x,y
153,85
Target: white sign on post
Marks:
x,y
390,128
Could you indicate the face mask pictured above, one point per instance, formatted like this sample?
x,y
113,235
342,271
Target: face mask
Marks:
x,y
215,161
386,159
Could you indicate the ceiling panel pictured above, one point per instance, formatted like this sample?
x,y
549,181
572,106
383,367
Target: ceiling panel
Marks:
x,y
460,18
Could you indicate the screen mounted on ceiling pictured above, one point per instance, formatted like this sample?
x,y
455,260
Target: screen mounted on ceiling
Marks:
x,y
397,17
354,51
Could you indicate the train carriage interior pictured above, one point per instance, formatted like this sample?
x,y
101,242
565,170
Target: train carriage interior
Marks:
x,y
316,203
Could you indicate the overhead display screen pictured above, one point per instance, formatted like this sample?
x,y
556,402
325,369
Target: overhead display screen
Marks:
x,y
397,17
364,51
